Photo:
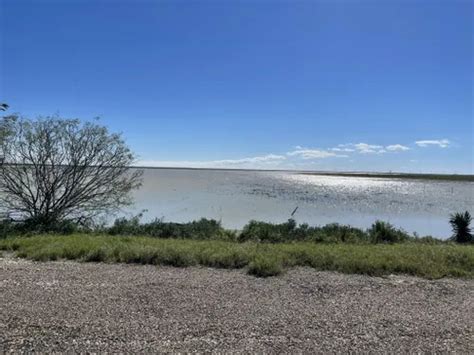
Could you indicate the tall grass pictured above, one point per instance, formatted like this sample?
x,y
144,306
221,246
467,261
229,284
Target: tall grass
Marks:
x,y
260,259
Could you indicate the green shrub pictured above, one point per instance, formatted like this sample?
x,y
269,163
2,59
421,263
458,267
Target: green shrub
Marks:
x,y
96,255
202,229
262,232
460,222
254,231
6,229
335,232
384,232
124,226
265,266
31,227
290,232
228,258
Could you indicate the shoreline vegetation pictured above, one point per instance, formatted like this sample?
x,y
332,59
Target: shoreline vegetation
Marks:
x,y
262,249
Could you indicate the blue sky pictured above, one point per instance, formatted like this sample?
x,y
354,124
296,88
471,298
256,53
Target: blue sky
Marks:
x,y
324,85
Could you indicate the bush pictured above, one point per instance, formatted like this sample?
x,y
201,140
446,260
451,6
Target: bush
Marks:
x,y
342,233
205,229
461,231
32,227
384,232
6,229
63,227
291,232
124,226
202,229
265,266
265,232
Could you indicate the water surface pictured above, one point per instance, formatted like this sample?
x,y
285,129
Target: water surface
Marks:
x,y
235,197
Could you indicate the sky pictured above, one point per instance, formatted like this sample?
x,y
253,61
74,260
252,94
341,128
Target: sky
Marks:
x,y
308,85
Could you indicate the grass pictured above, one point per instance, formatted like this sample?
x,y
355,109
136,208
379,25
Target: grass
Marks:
x,y
261,259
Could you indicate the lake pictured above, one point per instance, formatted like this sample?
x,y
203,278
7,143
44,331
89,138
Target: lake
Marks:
x,y
235,197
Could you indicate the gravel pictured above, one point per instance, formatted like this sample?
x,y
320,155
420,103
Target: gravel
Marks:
x,y
89,307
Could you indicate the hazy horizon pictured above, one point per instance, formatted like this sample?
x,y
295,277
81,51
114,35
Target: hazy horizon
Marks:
x,y
394,172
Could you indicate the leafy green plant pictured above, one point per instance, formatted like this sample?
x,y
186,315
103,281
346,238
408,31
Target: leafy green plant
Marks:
x,y
291,232
460,222
202,229
265,232
384,232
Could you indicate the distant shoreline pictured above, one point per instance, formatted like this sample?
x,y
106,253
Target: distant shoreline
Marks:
x,y
445,177
361,174
390,175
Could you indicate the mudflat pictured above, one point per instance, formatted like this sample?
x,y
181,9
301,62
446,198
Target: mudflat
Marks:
x,y
95,307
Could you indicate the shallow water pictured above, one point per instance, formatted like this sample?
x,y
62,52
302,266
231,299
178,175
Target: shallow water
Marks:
x,y
235,197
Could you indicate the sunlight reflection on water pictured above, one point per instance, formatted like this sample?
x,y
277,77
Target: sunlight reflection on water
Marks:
x,y
235,197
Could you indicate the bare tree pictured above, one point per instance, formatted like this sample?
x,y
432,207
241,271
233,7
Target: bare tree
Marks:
x,y
58,169
3,107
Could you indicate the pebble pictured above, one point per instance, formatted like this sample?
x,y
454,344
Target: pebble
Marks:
x,y
97,307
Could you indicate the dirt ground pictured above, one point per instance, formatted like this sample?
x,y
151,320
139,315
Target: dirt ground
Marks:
x,y
88,307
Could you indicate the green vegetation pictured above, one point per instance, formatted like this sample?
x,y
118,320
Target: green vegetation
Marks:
x,y
205,229
202,229
460,223
289,231
260,259
265,265
208,229
383,232
379,232
263,249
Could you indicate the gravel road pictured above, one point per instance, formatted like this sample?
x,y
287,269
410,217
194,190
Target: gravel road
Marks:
x,y
68,306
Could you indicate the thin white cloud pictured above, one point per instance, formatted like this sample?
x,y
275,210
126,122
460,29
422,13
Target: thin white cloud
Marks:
x,y
314,154
342,150
261,159
397,148
252,162
442,143
365,148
